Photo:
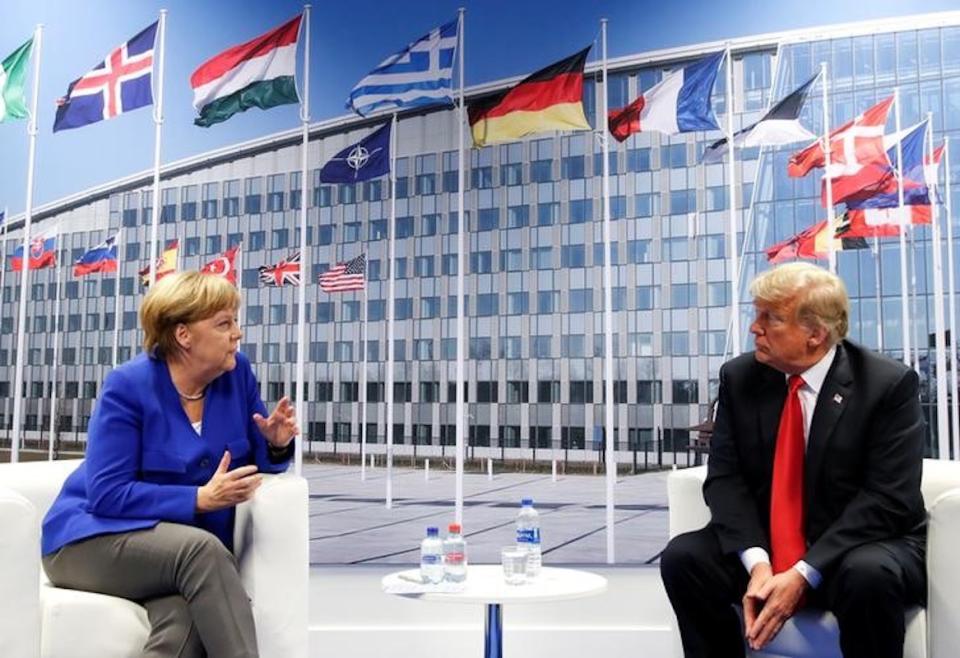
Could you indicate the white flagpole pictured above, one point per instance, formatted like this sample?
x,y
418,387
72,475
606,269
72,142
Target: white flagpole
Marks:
x,y
116,299
904,290
608,407
56,357
25,262
238,272
461,410
943,424
877,295
391,259
827,174
951,289
733,230
302,291
363,381
158,124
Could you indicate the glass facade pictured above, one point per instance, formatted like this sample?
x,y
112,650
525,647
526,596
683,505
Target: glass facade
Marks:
x,y
533,265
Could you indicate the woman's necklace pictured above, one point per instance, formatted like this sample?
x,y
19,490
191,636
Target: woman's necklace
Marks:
x,y
192,398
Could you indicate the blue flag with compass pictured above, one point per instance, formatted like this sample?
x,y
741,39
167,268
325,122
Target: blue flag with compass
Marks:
x,y
368,158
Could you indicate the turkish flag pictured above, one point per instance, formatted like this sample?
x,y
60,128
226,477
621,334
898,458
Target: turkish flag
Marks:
x,y
224,265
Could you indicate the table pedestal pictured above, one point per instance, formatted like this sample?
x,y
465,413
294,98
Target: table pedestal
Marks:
x,y
493,632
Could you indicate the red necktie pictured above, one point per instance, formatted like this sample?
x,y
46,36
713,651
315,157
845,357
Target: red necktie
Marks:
x,y
786,497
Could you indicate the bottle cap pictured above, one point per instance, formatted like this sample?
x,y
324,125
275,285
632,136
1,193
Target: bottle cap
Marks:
x,y
455,528
527,502
432,532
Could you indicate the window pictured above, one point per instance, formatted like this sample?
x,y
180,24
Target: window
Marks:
x,y
276,185
673,156
511,260
638,159
685,391
541,347
581,300
487,391
488,305
480,348
541,258
581,210
548,391
231,198
573,255
404,227
429,307
488,219
683,295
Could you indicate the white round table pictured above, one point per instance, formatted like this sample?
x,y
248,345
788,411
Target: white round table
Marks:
x,y
485,584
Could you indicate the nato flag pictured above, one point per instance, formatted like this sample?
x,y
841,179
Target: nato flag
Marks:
x,y
368,158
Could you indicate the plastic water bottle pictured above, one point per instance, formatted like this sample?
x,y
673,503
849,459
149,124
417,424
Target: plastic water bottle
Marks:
x,y
528,536
455,555
431,557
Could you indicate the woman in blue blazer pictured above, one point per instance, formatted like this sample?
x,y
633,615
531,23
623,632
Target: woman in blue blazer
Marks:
x,y
177,439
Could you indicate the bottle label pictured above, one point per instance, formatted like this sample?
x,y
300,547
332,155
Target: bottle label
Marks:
x,y
455,558
430,558
528,536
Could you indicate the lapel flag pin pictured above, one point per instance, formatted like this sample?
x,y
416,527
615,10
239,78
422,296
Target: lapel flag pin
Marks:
x,y
837,399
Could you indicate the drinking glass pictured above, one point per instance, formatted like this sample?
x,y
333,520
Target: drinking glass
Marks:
x,y
514,561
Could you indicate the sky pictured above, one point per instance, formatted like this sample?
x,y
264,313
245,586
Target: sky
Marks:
x,y
503,38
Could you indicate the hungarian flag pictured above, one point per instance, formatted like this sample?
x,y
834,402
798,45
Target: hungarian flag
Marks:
x,y
13,71
224,265
166,264
283,273
550,99
812,243
259,73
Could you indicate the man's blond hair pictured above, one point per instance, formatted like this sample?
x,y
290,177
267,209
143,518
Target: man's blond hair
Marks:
x,y
182,298
821,296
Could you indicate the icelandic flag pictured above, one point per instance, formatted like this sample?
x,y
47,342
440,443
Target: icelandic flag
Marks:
x,y
43,253
779,126
120,83
419,75
680,103
368,158
102,258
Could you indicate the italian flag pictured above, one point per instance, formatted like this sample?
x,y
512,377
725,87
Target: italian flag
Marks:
x,y
258,73
13,70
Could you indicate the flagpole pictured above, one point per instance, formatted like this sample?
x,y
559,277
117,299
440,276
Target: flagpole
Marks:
x,y
158,124
116,299
608,407
460,410
943,425
877,295
733,229
951,289
363,383
904,292
25,261
56,356
302,291
828,179
3,261
391,247
238,272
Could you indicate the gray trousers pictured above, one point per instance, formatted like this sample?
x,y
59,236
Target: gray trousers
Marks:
x,y
185,578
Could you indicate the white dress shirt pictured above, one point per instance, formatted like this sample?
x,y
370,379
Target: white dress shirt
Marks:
x,y
812,383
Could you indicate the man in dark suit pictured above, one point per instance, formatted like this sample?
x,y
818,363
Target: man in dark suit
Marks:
x,y
813,484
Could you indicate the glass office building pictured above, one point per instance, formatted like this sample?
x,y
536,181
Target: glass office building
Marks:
x,y
534,279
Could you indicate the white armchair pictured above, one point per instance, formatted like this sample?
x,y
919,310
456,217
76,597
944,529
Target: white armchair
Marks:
x,y
931,633
40,620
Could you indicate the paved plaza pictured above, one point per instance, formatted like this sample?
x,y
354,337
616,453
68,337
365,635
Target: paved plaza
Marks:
x,y
349,522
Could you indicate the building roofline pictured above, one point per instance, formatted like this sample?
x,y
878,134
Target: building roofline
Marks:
x,y
338,124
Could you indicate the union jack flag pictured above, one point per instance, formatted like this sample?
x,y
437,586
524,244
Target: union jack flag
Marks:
x,y
283,273
120,83
344,277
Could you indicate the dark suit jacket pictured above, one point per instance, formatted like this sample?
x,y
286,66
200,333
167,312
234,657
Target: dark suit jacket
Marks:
x,y
863,461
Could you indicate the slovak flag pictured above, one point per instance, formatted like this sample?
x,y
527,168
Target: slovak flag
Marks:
x,y
102,258
680,103
120,83
43,253
224,265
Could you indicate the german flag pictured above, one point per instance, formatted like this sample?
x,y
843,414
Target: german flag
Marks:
x,y
550,99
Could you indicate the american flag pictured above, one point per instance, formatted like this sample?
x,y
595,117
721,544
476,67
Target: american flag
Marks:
x,y
283,273
343,277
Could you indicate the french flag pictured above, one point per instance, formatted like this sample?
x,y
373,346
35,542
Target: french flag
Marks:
x,y
43,253
680,103
102,258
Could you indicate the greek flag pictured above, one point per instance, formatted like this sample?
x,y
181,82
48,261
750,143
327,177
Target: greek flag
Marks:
x,y
421,74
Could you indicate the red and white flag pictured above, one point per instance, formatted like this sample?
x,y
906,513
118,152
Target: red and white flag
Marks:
x,y
224,265
857,154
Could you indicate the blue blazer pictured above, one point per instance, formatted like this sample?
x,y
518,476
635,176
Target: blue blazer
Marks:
x,y
144,461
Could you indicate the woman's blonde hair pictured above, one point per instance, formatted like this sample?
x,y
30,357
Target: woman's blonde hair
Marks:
x,y
181,298
821,296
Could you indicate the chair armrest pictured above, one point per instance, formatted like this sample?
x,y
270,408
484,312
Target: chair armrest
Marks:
x,y
271,541
943,575
688,511
19,576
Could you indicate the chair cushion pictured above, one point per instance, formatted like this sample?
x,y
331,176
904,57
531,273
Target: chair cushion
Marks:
x,y
815,635
87,625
